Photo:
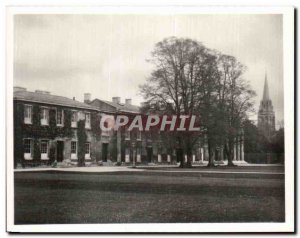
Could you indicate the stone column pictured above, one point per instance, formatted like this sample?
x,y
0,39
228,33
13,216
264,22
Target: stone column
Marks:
x,y
238,149
194,158
201,154
221,153
159,158
205,146
127,155
169,158
242,149
138,154
234,149
119,146
159,149
158,153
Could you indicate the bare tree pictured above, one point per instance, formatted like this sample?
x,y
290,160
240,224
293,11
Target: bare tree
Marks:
x,y
181,68
234,96
190,79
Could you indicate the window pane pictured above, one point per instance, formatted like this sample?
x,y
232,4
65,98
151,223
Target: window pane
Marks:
x,y
73,147
87,148
43,113
59,117
87,120
44,116
74,116
44,147
27,146
27,112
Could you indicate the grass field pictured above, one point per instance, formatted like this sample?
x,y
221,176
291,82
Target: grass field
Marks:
x,y
148,196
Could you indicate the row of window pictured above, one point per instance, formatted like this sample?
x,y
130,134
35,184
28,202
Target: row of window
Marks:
x,y
44,148
74,150
138,135
59,117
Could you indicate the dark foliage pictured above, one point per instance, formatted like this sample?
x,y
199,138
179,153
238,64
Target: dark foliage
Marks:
x,y
36,131
52,153
113,148
18,133
81,136
95,125
36,150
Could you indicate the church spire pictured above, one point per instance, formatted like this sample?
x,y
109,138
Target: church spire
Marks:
x,y
266,115
266,89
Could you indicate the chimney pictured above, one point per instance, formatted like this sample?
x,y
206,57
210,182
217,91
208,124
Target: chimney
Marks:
x,y
116,99
128,101
42,91
19,89
87,98
73,98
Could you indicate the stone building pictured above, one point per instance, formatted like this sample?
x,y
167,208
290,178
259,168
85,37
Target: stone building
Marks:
x,y
46,128
266,115
147,147
130,146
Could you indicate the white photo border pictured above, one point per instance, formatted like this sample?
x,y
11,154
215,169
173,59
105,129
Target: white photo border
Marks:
x,y
288,61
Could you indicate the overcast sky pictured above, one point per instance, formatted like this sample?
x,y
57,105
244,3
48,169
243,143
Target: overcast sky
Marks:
x,y
105,55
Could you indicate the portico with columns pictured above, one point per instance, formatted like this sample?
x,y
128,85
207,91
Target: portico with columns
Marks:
x,y
239,147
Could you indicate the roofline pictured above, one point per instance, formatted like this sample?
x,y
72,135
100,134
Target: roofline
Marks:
x,y
132,112
104,101
117,108
58,104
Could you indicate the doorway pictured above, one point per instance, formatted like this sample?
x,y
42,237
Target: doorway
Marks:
x,y
104,151
60,151
149,154
179,155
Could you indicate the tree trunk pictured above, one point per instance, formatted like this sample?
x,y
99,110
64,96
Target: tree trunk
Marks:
x,y
180,157
189,156
229,149
210,155
188,150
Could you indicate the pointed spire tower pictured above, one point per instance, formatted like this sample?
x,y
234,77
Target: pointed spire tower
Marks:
x,y
266,116
266,89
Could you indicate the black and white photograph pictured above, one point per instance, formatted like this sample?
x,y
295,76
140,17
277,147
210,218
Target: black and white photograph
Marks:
x,y
150,120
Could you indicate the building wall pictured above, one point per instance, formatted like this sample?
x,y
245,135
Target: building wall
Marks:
x,y
51,133
126,150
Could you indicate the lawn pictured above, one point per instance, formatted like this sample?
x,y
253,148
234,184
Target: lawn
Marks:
x,y
147,197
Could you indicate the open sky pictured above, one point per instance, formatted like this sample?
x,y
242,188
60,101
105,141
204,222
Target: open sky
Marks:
x,y
105,55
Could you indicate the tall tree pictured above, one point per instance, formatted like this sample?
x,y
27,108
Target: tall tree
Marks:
x,y
235,101
190,79
181,68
